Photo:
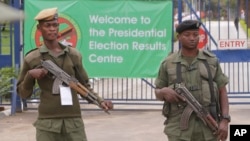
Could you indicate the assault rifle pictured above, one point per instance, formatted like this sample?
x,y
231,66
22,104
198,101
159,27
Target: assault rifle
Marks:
x,y
201,112
62,76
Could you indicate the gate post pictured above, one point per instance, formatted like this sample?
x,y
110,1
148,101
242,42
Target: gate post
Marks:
x,y
13,98
17,49
179,11
179,15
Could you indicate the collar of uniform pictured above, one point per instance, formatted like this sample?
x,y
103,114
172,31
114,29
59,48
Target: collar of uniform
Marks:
x,y
44,49
201,55
177,57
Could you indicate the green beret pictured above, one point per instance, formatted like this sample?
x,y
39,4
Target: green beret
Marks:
x,y
47,14
188,25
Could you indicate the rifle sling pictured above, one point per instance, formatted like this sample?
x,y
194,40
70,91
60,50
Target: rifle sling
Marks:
x,y
211,88
210,81
178,72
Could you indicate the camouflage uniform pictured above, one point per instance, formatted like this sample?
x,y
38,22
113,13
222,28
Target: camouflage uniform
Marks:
x,y
195,77
61,122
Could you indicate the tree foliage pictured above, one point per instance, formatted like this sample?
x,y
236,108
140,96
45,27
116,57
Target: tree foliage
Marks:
x,y
6,75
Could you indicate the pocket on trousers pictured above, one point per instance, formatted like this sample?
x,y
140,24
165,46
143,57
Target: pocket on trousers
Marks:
x,y
73,124
43,124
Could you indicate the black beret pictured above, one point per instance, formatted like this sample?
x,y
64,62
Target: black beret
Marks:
x,y
188,25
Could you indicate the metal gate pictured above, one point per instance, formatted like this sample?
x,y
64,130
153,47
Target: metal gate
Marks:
x,y
222,21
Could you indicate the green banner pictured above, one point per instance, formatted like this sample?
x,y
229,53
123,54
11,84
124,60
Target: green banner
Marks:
x,y
125,38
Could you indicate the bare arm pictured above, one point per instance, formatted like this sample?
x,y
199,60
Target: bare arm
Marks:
x,y
224,101
223,126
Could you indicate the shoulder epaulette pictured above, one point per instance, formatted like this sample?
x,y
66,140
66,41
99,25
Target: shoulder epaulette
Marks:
x,y
209,53
31,51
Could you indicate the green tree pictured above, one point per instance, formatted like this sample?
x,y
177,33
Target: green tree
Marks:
x,y
6,75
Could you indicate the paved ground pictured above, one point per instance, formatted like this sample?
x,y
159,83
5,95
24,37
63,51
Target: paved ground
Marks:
x,y
119,126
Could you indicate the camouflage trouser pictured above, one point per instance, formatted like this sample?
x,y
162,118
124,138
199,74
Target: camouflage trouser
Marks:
x,y
64,130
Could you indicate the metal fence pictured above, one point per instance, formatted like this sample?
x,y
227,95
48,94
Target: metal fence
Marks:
x,y
135,93
239,84
125,93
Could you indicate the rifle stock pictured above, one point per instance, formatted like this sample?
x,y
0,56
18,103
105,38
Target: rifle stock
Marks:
x,y
201,112
70,81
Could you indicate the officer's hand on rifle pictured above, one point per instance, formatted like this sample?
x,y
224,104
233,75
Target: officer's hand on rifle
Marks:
x,y
107,105
223,130
38,73
170,95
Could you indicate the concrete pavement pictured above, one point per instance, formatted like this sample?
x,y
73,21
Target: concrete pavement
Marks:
x,y
141,125
99,126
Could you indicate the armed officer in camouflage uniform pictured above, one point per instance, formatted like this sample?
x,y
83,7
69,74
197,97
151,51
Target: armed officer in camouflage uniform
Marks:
x,y
200,72
56,122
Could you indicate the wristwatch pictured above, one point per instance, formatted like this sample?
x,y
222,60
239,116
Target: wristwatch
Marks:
x,y
227,117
